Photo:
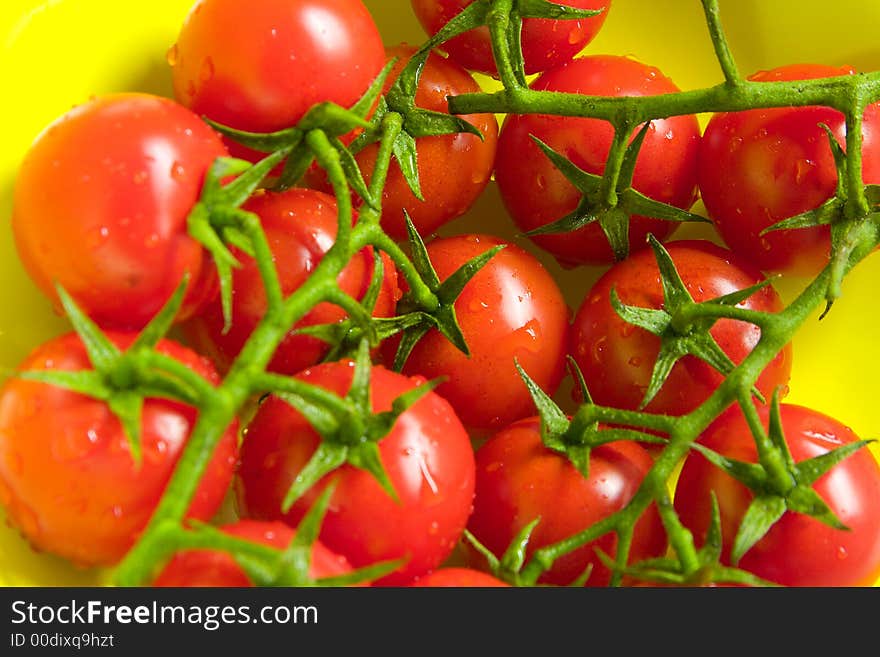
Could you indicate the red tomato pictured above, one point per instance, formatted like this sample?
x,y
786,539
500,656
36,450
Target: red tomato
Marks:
x,y
453,169
798,550
536,193
101,204
259,66
519,480
457,577
300,225
546,43
427,456
511,309
617,358
761,166
202,568
67,477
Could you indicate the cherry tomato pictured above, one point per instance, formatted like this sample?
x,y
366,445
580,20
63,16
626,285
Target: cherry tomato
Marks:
x,y
617,358
536,193
259,66
798,550
458,577
546,43
68,479
453,169
761,166
512,309
300,225
217,568
101,203
519,480
427,456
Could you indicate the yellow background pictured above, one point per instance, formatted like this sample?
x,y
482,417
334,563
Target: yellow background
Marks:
x,y
56,53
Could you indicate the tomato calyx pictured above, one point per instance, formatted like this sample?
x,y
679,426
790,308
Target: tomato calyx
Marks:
x,y
610,199
575,437
778,483
350,431
124,379
442,316
855,226
682,331
704,569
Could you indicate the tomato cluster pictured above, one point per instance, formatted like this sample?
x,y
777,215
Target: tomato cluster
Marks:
x,y
444,426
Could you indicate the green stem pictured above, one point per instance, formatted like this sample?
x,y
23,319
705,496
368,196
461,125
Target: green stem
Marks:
x,y
719,42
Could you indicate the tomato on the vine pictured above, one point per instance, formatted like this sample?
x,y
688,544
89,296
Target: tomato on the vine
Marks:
x,y
617,358
520,480
300,226
259,66
68,478
109,223
798,550
454,169
427,456
546,43
536,193
512,309
760,166
201,568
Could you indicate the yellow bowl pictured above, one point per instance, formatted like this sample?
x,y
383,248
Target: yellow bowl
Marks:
x,y
58,53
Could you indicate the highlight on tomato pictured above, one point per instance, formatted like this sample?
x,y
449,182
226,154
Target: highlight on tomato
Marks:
x,y
101,202
761,166
68,477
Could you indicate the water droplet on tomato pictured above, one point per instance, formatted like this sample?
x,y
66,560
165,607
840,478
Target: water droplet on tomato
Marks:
x,y
627,330
206,71
541,182
599,348
477,305
140,177
178,171
635,361
117,511
171,55
434,528
73,443
801,168
842,553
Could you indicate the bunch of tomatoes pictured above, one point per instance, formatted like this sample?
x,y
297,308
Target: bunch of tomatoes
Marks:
x,y
407,408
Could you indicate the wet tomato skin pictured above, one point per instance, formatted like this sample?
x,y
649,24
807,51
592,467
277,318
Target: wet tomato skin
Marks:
x,y
536,193
758,167
427,455
215,568
798,550
519,479
458,577
259,66
300,225
109,223
618,358
67,476
546,43
511,309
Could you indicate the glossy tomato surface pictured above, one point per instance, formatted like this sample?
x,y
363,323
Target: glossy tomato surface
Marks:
x,y
453,169
798,550
300,225
458,577
617,358
761,166
215,568
68,479
109,223
511,310
546,43
259,66
536,193
520,480
427,456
